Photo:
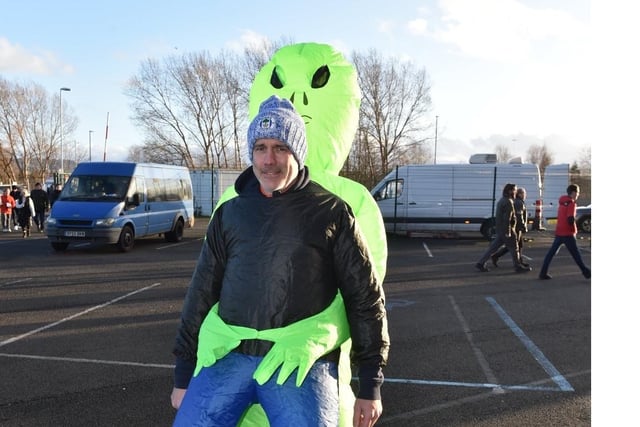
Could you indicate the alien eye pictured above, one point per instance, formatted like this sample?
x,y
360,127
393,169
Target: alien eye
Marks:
x,y
275,79
320,77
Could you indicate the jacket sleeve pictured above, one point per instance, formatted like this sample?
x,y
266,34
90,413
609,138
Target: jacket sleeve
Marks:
x,y
202,294
364,302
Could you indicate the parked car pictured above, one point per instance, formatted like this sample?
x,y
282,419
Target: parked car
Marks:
x,y
583,218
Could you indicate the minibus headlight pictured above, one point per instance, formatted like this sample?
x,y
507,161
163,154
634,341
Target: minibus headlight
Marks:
x,y
105,222
51,221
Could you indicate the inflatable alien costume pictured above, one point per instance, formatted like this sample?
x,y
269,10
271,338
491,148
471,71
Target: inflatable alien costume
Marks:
x,y
324,89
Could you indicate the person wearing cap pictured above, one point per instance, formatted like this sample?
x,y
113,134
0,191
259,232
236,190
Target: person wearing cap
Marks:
x,y
279,260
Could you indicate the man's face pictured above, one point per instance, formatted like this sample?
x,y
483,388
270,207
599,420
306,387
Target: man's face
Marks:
x,y
274,165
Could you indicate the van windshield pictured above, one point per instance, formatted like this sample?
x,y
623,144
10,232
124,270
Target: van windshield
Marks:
x,y
97,188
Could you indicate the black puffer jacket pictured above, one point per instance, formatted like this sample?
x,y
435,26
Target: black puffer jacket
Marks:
x,y
273,261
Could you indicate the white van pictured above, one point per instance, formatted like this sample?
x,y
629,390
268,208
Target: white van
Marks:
x,y
451,198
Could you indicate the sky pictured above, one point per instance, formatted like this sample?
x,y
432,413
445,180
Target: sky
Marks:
x,y
509,72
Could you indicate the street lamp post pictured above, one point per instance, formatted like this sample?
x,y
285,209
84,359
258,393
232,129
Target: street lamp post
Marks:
x,y
90,132
65,89
435,150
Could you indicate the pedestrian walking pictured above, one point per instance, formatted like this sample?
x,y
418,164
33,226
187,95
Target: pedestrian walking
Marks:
x,y
505,231
15,193
41,204
7,206
26,212
521,227
565,234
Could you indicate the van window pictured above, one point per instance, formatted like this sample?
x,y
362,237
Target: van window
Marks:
x,y
95,188
391,188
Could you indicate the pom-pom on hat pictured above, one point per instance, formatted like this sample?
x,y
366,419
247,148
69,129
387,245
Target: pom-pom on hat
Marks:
x,y
278,119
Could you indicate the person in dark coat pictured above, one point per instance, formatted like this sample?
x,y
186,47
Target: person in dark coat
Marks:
x,y
41,204
521,227
276,259
15,193
55,194
505,231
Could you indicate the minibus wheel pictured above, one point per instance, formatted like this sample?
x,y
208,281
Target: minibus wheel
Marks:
x,y
125,242
488,228
175,235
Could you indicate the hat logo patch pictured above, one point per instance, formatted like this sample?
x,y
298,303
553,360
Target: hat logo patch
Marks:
x,y
266,123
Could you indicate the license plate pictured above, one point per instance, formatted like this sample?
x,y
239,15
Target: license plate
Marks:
x,y
74,233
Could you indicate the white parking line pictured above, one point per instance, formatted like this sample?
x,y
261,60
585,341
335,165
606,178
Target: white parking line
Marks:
x,y
82,360
426,248
482,361
392,420
173,245
537,354
89,310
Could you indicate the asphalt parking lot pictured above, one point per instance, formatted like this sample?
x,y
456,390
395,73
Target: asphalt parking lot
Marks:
x,y
86,335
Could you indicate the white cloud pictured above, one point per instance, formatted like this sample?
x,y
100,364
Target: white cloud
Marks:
x,y
16,59
249,39
417,27
385,27
504,30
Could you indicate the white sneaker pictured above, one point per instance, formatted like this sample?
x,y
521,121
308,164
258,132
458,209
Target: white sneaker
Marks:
x,y
16,228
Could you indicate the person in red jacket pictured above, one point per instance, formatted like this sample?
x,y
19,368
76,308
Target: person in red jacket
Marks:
x,y
566,231
7,206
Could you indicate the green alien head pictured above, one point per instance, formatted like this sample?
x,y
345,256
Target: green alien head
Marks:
x,y
323,86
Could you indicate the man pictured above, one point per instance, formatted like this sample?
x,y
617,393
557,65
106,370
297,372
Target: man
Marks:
x,y
276,258
15,193
40,204
565,234
521,227
7,205
55,194
505,231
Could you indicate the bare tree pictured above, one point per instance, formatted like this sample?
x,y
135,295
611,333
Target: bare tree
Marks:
x,y
395,101
503,152
185,107
540,155
30,126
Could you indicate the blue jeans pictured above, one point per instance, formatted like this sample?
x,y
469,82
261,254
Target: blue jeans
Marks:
x,y
220,394
571,245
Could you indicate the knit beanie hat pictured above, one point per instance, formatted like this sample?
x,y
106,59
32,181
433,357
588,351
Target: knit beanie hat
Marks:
x,y
278,119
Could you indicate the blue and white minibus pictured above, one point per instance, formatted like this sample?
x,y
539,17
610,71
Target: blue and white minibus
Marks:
x,y
118,202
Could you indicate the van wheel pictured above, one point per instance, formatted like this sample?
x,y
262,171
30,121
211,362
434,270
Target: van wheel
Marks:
x,y
488,228
585,224
59,246
125,242
175,235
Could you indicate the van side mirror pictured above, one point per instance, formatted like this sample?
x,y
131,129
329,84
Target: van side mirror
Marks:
x,y
133,201
377,196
